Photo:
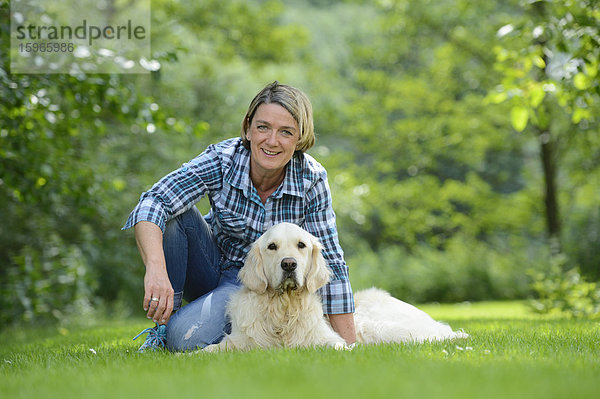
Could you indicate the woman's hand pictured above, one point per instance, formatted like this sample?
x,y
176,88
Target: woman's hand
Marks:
x,y
158,295
158,291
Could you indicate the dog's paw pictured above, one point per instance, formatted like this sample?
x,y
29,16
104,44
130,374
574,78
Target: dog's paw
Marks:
x,y
342,346
211,348
339,346
223,346
461,334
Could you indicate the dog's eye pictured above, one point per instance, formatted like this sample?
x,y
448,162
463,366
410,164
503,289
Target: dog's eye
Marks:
x,y
301,244
272,246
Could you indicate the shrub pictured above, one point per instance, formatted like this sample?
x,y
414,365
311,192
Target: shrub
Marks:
x,y
468,270
567,292
46,284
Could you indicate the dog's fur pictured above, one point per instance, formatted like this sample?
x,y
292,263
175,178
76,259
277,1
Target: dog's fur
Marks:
x,y
277,305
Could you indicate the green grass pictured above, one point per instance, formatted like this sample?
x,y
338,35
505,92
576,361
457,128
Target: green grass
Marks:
x,y
511,354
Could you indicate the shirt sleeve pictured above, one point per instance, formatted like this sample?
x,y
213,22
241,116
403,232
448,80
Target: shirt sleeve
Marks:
x,y
178,191
320,222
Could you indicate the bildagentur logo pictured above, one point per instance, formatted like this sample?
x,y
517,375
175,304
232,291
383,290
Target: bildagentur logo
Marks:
x,y
81,36
84,31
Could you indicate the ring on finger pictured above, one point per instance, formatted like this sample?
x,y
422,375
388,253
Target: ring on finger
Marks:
x,y
154,299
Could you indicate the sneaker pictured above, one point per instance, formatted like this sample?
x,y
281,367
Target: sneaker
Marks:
x,y
156,338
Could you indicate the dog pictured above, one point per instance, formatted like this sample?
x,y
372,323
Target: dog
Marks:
x,y
278,304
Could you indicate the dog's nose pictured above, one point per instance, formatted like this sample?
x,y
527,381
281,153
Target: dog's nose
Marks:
x,y
288,264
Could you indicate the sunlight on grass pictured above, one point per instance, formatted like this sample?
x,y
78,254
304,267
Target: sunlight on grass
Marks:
x,y
482,310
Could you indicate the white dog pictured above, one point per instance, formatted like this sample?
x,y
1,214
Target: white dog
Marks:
x,y
277,305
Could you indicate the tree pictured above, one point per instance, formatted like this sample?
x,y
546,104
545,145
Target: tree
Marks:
x,y
549,60
431,154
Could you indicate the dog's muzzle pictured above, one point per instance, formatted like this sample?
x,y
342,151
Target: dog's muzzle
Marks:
x,y
288,281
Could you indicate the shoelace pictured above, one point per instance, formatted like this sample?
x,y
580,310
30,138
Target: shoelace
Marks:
x,y
154,337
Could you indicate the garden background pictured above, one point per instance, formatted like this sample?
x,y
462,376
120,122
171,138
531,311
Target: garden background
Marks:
x,y
460,138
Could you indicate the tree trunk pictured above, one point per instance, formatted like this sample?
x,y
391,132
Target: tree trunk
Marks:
x,y
548,153
549,166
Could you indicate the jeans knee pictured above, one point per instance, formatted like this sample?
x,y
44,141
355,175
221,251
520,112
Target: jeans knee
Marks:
x,y
185,333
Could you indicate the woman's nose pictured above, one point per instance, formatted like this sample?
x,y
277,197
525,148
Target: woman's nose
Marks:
x,y
272,138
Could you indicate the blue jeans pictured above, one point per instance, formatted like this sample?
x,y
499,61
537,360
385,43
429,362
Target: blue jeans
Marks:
x,y
196,274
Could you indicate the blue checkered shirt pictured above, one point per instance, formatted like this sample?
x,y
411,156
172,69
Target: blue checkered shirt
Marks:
x,y
238,216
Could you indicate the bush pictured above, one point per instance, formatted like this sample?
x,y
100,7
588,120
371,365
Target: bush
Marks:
x,y
467,270
566,292
46,284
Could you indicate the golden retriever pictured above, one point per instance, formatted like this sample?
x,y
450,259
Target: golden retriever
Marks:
x,y
278,304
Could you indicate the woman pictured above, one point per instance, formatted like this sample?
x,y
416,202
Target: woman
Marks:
x,y
252,182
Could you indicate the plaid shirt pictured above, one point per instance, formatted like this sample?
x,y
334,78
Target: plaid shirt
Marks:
x,y
238,216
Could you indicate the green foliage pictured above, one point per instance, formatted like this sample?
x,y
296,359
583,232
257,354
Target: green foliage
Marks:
x,y
583,230
551,53
565,291
222,49
548,58
58,186
47,284
467,270
425,147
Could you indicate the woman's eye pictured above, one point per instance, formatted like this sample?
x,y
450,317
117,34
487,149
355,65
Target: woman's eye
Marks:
x,y
261,127
287,133
272,246
301,244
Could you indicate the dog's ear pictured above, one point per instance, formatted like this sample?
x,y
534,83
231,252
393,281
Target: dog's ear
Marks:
x,y
318,274
252,275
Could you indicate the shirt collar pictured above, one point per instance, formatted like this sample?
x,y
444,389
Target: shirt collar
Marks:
x,y
292,183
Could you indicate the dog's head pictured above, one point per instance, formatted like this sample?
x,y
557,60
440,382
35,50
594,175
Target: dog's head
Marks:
x,y
285,257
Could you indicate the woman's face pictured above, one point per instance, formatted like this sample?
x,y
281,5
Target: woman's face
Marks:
x,y
273,135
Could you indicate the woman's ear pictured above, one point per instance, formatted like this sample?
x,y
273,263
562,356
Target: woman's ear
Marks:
x,y
252,275
318,274
248,128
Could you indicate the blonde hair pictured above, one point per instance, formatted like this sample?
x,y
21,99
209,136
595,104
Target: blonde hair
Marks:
x,y
294,101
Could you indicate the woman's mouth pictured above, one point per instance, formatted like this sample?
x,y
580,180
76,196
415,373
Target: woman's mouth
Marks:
x,y
269,153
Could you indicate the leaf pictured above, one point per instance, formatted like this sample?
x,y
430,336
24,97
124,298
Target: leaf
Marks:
x,y
40,182
592,69
537,95
539,62
518,117
580,81
580,114
119,184
497,97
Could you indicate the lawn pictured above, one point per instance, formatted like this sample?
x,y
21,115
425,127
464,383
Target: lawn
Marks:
x,y
511,354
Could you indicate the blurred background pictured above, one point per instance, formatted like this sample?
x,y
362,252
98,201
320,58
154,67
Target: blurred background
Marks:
x,y
461,140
